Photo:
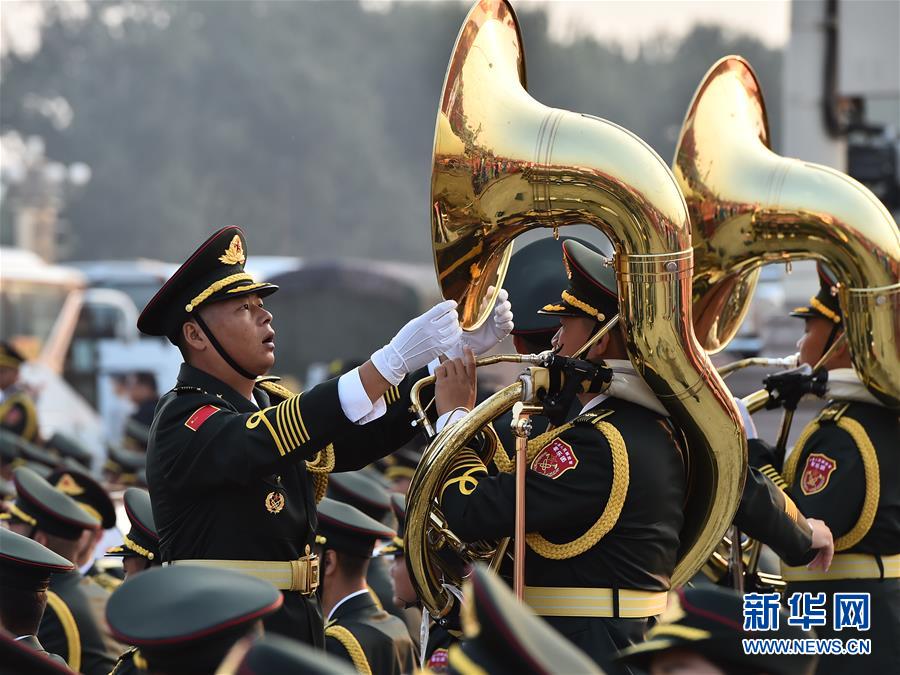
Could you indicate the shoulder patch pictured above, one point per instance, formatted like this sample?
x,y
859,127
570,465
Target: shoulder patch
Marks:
x,y
200,416
816,473
555,459
438,663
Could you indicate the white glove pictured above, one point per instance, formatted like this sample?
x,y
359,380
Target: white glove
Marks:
x,y
492,331
749,426
418,342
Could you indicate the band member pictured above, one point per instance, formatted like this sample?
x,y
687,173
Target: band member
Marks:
x,y
186,619
701,632
356,629
619,549
604,491
140,547
139,552
25,571
71,626
229,472
843,469
18,413
502,636
435,638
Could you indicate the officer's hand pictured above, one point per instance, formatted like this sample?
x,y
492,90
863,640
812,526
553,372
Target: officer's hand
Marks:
x,y
455,383
492,331
419,342
824,542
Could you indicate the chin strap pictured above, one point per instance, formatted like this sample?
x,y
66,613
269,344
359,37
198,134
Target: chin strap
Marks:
x,y
221,350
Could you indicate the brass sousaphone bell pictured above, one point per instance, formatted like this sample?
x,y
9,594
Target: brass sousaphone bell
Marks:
x,y
505,164
750,206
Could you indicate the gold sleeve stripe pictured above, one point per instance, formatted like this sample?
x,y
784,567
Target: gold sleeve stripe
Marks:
x,y
285,430
296,410
70,628
790,508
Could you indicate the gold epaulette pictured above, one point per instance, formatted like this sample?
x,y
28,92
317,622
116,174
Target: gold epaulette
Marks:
x,y
833,412
593,416
272,387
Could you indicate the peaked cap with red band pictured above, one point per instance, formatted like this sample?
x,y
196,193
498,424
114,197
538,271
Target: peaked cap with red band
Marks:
x,y
348,530
592,291
214,272
41,505
186,618
825,304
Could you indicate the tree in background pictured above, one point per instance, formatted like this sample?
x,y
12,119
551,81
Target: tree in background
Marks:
x,y
309,124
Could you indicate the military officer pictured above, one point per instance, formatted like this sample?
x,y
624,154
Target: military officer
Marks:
x,y
623,445
17,658
605,490
139,552
276,654
435,639
140,547
843,469
503,636
18,413
70,626
702,632
229,472
183,619
356,629
25,570
367,495
95,501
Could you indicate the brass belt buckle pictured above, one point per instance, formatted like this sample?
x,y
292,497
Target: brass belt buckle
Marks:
x,y
312,573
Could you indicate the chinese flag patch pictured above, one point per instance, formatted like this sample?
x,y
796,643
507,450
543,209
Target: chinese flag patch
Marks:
x,y
555,459
816,473
196,420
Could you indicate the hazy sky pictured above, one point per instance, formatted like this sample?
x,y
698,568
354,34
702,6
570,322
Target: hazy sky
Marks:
x,y
624,21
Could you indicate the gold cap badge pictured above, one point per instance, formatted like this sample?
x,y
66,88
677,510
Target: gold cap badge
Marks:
x,y
67,485
234,254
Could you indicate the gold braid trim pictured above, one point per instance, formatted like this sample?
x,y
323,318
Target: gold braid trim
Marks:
x,y
215,287
611,512
274,388
461,663
873,484
825,310
351,644
583,306
29,433
21,515
9,361
137,548
70,628
320,466
870,468
248,287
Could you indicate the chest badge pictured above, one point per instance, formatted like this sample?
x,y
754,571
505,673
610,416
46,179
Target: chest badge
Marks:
x,y
274,502
555,459
816,473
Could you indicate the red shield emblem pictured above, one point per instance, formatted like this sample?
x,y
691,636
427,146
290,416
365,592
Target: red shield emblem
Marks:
x,y
816,473
555,459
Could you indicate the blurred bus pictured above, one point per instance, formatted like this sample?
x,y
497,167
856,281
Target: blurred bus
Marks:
x,y
342,310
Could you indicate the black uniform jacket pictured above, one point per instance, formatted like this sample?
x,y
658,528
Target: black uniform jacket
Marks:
x,y
565,499
383,637
228,479
844,470
74,629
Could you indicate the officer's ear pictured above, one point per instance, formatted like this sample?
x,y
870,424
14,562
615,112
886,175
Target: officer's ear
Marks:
x,y
329,563
192,338
598,350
